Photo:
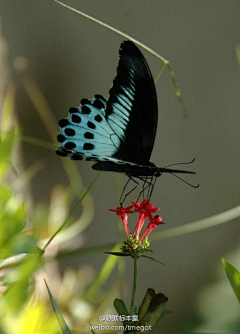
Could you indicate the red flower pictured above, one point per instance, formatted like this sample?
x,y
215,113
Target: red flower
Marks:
x,y
145,207
125,224
122,212
145,210
154,221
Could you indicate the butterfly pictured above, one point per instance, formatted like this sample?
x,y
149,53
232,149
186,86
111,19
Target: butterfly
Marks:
x,y
117,133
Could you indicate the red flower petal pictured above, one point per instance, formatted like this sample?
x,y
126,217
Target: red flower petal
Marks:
x,y
119,210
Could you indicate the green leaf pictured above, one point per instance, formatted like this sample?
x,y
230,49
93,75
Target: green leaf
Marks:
x,y
120,307
93,332
152,258
122,310
145,304
61,321
234,277
151,309
117,253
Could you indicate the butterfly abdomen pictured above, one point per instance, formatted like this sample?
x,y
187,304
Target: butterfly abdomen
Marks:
x,y
128,168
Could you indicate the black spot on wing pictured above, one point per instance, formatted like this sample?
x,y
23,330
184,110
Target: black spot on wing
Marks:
x,y
60,138
86,110
77,157
88,146
88,135
73,110
91,125
98,118
76,119
69,132
63,122
70,145
98,104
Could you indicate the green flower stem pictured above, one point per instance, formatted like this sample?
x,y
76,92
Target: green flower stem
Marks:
x,y
135,269
160,73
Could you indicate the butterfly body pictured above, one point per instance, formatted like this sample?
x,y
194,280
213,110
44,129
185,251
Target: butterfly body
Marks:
x,y
130,169
119,132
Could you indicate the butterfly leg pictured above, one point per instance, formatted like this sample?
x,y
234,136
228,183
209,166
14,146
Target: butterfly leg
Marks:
x,y
137,184
151,187
120,200
148,185
143,189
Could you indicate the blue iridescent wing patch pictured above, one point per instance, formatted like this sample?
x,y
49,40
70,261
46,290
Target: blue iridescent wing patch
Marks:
x,y
86,134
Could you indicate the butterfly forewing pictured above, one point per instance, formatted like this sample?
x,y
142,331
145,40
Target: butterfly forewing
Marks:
x,y
132,106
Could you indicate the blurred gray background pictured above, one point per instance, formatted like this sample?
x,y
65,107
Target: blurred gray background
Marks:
x,y
72,58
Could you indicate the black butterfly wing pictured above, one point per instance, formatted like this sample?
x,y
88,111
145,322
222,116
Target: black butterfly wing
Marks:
x,y
121,129
131,109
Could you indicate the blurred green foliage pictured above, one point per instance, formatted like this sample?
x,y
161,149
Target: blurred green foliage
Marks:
x,y
26,255
234,277
20,257
61,321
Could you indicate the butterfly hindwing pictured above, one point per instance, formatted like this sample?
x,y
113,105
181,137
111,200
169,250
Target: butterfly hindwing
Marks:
x,y
86,133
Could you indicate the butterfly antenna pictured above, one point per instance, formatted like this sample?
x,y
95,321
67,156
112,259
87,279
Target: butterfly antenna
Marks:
x,y
191,185
181,163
